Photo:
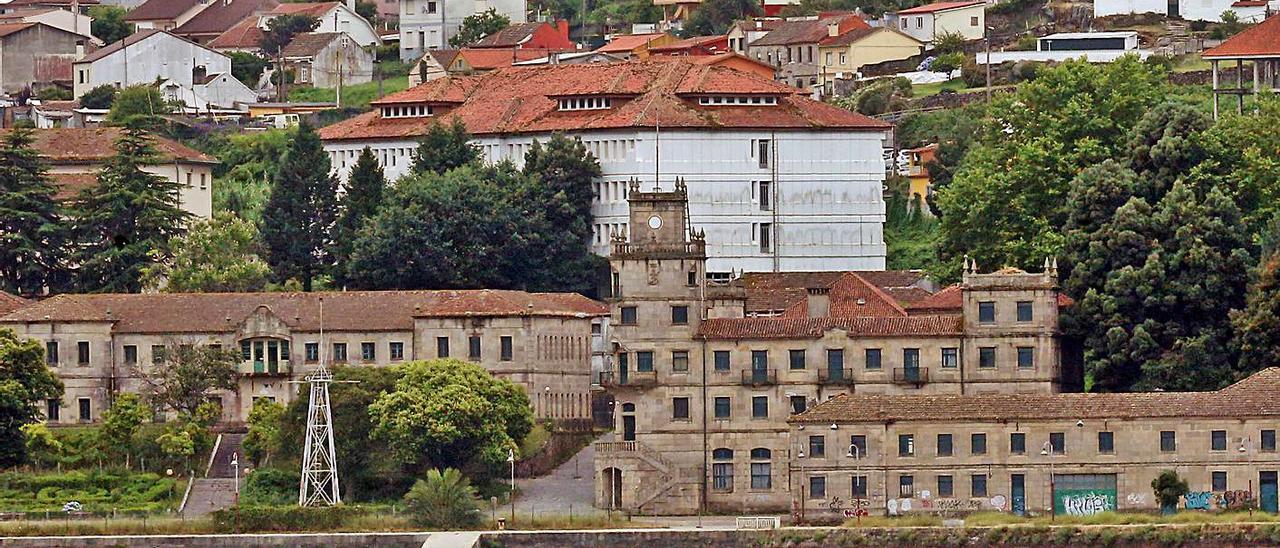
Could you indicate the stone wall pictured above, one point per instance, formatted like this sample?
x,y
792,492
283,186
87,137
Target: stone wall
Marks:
x,y
330,540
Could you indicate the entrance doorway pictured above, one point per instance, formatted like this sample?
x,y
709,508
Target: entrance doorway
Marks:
x,y
612,482
1018,494
1267,491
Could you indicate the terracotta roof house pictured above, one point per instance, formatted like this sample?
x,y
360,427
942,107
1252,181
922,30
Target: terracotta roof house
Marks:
x,y
1257,47
219,17
728,60
841,57
636,46
793,46
246,33
325,59
926,23
36,55
14,5
536,35
10,302
164,14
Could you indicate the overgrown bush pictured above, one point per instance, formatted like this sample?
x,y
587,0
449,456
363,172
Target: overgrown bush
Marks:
x,y
947,62
443,501
249,519
269,486
1026,42
974,76
95,491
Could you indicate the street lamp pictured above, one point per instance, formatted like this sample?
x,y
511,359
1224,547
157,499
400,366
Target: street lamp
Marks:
x,y
855,453
235,465
1045,451
511,459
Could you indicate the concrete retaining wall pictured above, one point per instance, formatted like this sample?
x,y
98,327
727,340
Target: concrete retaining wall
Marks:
x,y
320,540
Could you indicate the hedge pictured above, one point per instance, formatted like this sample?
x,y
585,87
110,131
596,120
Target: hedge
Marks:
x,y
253,519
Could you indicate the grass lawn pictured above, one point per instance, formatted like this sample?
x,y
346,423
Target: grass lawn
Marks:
x,y
357,96
925,90
1190,63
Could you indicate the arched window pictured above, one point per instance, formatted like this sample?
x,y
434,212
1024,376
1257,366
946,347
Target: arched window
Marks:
x,y
722,454
761,453
761,472
722,472
628,408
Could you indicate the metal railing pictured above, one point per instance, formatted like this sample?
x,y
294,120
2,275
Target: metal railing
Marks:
x,y
759,377
259,367
611,379
830,375
913,375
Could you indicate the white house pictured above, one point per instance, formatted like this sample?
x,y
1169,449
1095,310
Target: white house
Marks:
x,y
428,24
926,23
1250,11
777,180
189,71
1095,47
333,17
76,23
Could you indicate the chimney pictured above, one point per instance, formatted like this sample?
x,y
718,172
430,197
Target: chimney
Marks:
x,y
351,5
563,26
819,302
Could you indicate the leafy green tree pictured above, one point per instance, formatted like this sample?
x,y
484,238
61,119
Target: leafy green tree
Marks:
x,y
139,104
1240,158
177,443
42,446
187,377
299,216
1169,489
281,30
273,487
109,24
1091,253
555,214
624,13
1165,145
54,93
451,413
477,26
99,97
1257,327
33,236
25,383
263,439
445,148
215,255
714,17
247,67
443,501
365,192
127,219
248,163
948,42
121,423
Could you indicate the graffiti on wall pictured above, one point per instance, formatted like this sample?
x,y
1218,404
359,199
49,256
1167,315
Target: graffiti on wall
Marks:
x,y
1208,500
849,509
1136,499
1087,504
945,504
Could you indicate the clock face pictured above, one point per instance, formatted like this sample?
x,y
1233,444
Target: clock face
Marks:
x,y
655,222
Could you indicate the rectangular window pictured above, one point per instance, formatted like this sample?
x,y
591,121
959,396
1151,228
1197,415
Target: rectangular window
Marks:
x,y
368,351
973,21
721,360
987,312
82,352
760,407
978,485
859,487
52,410
1218,440
873,358
944,445
51,353
766,196
759,360
680,360
796,359
722,476
86,413
1106,442
505,350
680,315
817,487
761,478
946,487
1268,440
859,441
130,354
680,408
766,237
1219,481
762,152
339,352
987,357
442,347
397,351
1024,311
950,358
911,358
312,352
835,362
723,409
906,486
1168,441
1057,443
1018,443
644,361
1026,357
628,315
798,404
978,444
473,347
906,445
817,447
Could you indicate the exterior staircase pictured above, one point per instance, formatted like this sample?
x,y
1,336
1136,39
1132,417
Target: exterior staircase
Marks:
x,y
217,490
660,475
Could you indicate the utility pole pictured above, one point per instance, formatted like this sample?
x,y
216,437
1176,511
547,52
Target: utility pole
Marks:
x,y
986,34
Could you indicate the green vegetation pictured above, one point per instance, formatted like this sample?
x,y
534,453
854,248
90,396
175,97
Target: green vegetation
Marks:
x,y
34,237
911,235
109,24
356,96
95,491
925,90
301,211
477,26
221,254
443,501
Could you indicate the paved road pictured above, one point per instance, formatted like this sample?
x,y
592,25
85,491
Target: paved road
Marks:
x,y
566,489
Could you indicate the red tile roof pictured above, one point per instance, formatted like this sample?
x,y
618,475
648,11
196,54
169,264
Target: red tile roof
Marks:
x,y
222,15
815,328
242,35
314,9
937,7
155,10
1251,397
493,58
10,302
714,45
309,44
344,311
10,28
509,37
809,31
1260,40
948,299
95,145
628,42
523,100
70,185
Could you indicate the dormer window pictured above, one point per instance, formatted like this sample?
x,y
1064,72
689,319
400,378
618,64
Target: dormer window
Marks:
x,y
584,103
736,100
406,111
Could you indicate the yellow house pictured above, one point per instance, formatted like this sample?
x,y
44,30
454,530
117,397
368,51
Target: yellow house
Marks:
x,y
917,172
842,56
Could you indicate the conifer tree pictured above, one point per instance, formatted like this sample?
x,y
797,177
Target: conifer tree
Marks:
x,y
298,220
364,194
33,236
445,148
127,219
1258,325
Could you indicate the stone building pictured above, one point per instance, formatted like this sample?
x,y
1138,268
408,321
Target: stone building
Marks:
x,y
97,343
1020,453
704,371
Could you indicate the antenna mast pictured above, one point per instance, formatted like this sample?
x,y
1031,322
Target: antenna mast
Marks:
x,y
319,483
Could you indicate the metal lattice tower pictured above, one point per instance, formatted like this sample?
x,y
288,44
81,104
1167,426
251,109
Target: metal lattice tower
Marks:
x,y
319,485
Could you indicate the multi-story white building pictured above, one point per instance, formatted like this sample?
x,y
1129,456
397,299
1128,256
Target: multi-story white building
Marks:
x,y
428,24
779,182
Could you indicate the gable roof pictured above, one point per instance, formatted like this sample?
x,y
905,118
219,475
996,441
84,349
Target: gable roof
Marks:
x,y
524,100
814,328
10,302
809,31
313,9
1260,40
1253,396
692,43
492,58
628,42
11,28
938,6
153,10
344,310
242,35
309,44
511,36
127,41
94,145
222,15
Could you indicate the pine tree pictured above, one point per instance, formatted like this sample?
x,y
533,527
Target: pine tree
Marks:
x,y
556,218
33,236
1257,327
364,195
127,219
298,219
445,148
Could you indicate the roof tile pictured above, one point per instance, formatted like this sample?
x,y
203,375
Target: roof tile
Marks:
x,y
939,6
1261,40
93,145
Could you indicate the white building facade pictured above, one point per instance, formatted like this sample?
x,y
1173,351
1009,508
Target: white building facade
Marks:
x,y
1248,11
193,71
428,24
769,198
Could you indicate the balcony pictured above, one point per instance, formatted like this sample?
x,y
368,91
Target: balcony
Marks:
x,y
915,375
759,377
836,376
258,368
633,379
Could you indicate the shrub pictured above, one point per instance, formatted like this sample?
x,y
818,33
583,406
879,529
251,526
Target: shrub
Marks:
x,y
1023,71
1026,42
443,501
974,76
947,62
948,42
245,519
1168,488
54,94
269,486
